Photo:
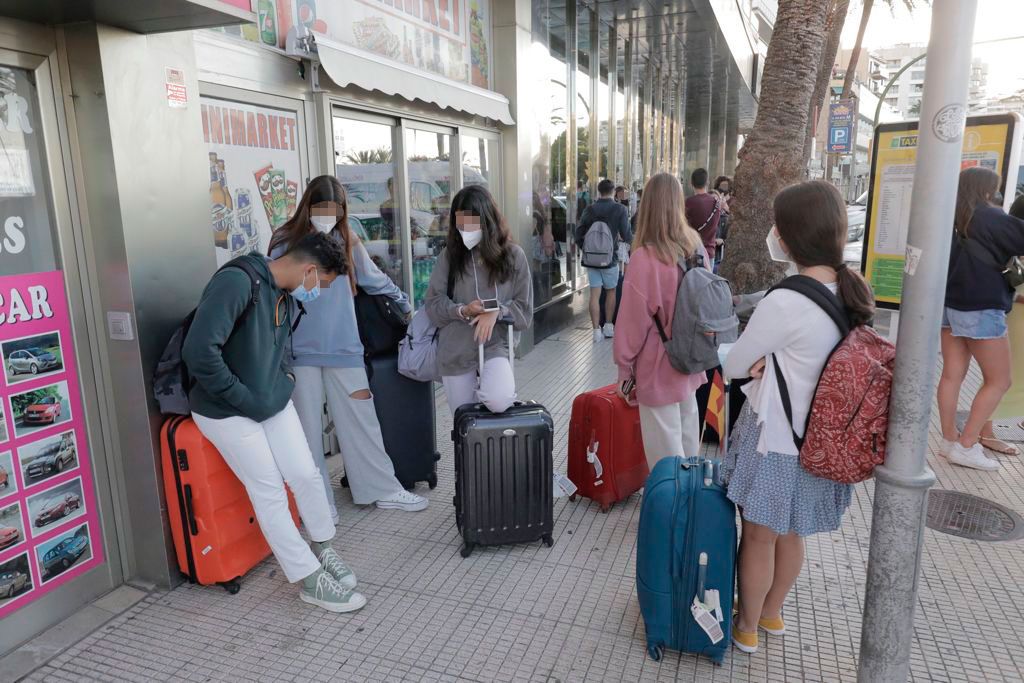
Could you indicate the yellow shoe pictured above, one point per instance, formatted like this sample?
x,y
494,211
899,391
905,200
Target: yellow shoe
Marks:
x,y
746,642
775,627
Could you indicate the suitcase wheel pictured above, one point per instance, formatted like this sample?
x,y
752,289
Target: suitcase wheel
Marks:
x,y
432,481
655,651
605,509
344,482
548,540
466,550
572,498
232,586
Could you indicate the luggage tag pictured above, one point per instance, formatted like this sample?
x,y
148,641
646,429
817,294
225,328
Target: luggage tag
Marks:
x,y
713,603
593,460
563,486
706,621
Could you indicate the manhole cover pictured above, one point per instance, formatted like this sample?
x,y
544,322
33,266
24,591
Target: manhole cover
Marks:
x,y
967,516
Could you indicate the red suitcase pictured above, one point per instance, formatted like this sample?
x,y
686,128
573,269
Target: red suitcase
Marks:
x,y
606,450
216,536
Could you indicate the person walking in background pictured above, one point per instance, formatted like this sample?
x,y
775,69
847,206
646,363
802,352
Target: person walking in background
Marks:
x,y
603,226
632,219
620,195
779,501
668,407
328,356
242,403
723,189
480,279
703,210
974,323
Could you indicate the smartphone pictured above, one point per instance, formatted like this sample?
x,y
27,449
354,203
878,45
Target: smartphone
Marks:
x,y
490,305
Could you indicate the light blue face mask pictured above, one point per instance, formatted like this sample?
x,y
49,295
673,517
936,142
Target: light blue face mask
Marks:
x,y
303,295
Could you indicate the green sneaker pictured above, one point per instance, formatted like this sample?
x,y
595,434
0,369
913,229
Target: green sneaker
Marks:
x,y
327,592
332,563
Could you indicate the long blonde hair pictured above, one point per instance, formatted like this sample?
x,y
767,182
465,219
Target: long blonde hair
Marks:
x,y
661,223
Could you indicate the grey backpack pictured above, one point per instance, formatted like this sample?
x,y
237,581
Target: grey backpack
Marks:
x,y
703,319
599,246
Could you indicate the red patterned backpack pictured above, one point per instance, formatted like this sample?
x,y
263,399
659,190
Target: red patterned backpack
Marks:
x,y
849,418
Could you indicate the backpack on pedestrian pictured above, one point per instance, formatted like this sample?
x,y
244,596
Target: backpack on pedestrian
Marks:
x,y
417,352
845,435
703,319
599,246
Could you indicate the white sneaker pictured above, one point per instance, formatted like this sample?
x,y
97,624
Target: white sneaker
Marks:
x,y
946,447
598,336
405,501
609,330
972,457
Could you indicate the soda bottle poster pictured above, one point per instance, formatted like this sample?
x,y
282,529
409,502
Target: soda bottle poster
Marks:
x,y
49,520
255,173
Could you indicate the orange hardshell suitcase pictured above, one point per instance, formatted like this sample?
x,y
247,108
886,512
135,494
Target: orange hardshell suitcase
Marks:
x,y
216,536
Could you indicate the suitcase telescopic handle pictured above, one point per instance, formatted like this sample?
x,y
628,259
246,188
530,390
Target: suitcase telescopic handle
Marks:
x,y
190,512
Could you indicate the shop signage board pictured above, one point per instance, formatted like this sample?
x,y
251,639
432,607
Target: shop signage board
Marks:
x,y
255,173
990,141
49,523
841,117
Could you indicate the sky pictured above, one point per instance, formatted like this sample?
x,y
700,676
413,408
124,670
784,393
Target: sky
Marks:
x,y
995,19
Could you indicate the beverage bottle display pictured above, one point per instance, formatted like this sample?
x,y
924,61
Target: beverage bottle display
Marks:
x,y
224,185
267,15
218,205
285,12
246,226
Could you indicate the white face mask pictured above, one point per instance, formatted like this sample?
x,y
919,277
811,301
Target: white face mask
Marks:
x,y
779,254
323,223
471,239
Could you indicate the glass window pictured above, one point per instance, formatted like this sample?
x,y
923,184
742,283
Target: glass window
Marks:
x,y
430,196
27,244
365,165
481,162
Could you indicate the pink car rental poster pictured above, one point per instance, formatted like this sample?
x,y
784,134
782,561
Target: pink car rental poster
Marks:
x,y
49,524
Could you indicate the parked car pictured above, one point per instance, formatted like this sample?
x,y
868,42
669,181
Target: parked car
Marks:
x,y
57,507
65,554
45,411
856,217
53,460
5,479
12,582
32,361
9,535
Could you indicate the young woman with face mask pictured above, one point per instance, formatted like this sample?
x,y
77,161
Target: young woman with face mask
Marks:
x,y
328,356
489,278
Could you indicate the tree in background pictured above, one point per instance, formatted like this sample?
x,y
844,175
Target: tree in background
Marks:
x,y
834,22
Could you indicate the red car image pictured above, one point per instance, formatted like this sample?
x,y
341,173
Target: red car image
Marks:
x,y
57,507
4,479
9,536
46,411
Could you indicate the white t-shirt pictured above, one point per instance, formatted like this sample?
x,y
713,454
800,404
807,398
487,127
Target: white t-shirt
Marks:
x,y
801,336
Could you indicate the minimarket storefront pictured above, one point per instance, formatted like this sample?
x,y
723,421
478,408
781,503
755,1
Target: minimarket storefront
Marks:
x,y
142,150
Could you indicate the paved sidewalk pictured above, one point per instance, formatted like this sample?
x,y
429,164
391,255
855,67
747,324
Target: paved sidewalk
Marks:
x,y
568,613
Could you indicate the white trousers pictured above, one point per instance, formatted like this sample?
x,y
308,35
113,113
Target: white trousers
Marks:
x,y
495,387
670,430
264,456
370,472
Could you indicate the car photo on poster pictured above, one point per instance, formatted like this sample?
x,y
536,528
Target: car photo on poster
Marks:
x,y
32,357
56,505
8,482
15,579
12,528
61,553
40,408
43,459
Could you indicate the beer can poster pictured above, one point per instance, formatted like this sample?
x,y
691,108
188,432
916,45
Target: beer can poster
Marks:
x,y
255,173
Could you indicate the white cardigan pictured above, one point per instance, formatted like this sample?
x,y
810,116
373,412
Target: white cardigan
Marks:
x,y
801,336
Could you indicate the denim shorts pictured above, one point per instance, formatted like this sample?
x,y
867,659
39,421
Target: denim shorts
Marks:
x,y
987,324
606,278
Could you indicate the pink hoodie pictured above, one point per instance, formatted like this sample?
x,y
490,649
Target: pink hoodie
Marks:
x,y
650,289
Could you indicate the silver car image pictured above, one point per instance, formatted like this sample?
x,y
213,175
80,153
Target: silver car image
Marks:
x,y
30,361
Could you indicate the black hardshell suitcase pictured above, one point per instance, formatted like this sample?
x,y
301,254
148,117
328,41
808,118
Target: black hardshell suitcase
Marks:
x,y
503,474
405,409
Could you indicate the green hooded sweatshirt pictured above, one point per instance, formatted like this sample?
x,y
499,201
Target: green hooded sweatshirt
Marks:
x,y
247,375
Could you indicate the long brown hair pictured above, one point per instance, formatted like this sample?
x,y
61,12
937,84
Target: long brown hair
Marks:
x,y
976,188
494,248
811,220
325,188
661,221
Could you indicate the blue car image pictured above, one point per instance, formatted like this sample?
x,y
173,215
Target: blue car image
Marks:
x,y
64,554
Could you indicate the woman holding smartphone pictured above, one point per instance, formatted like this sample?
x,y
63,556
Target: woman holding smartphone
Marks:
x,y
481,279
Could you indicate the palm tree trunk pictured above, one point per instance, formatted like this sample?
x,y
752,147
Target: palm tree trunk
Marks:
x,y
855,55
772,156
834,26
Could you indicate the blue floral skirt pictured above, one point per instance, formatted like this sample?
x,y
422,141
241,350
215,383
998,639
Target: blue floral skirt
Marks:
x,y
773,490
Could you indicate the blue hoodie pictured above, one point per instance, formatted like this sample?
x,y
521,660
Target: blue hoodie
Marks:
x,y
328,336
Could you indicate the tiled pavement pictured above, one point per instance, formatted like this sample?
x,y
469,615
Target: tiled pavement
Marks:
x,y
568,613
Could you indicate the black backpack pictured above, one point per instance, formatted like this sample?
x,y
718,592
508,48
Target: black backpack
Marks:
x,y
171,381
382,324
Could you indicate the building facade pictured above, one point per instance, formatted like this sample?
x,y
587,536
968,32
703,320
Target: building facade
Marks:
x,y
147,143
